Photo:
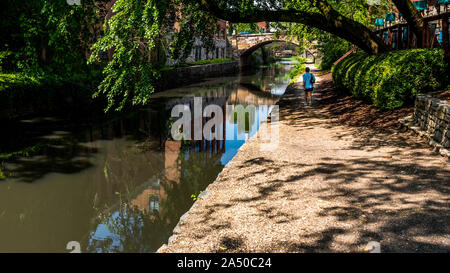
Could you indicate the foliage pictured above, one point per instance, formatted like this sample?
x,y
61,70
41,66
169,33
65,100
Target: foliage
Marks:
x,y
43,52
195,196
137,32
331,48
194,26
11,81
199,62
138,230
212,61
131,230
25,152
246,27
299,67
52,37
134,31
22,94
5,60
392,79
47,36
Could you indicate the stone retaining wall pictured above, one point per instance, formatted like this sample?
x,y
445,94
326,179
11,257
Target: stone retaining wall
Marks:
x,y
181,76
433,116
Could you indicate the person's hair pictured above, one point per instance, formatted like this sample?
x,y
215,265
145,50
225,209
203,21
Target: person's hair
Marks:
x,y
307,69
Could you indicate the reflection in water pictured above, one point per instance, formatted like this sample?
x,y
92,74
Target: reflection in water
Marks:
x,y
121,186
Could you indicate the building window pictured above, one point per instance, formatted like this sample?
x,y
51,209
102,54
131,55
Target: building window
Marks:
x,y
154,204
156,184
217,53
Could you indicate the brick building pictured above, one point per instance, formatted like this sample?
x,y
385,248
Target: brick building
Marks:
x,y
200,53
428,9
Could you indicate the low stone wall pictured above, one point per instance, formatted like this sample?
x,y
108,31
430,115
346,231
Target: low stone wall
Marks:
x,y
181,76
433,116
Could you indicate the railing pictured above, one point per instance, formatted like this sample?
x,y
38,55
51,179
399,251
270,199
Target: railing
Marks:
x,y
435,35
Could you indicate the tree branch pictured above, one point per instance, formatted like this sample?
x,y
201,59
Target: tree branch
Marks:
x,y
330,21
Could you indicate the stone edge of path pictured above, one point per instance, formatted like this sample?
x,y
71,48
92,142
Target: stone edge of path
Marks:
x,y
408,123
183,218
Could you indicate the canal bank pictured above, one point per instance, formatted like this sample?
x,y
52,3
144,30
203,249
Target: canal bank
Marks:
x,y
122,184
327,188
72,98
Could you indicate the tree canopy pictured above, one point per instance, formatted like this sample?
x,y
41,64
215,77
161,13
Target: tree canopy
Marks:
x,y
48,35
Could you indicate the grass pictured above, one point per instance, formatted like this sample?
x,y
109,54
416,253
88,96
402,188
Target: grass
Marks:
x,y
14,80
200,62
298,69
213,61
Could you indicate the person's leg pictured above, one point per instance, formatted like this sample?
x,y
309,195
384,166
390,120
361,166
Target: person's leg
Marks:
x,y
310,96
306,97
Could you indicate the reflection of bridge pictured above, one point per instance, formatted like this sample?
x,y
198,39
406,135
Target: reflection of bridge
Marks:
x,y
245,44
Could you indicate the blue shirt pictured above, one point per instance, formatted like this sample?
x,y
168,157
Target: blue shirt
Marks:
x,y
307,80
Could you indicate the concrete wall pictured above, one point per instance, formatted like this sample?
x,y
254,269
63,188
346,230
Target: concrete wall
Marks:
x,y
433,116
191,74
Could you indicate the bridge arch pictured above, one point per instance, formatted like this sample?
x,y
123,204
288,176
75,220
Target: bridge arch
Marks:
x,y
244,45
244,58
253,48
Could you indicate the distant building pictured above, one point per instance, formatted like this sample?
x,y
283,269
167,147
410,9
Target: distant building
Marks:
x,y
264,26
201,53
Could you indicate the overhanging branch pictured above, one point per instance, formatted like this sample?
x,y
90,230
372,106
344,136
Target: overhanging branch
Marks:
x,y
332,22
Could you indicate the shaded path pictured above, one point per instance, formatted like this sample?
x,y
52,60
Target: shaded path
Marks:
x,y
327,187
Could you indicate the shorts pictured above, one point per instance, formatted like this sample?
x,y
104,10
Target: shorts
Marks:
x,y
309,89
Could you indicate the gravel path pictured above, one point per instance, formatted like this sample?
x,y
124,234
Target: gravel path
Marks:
x,y
327,188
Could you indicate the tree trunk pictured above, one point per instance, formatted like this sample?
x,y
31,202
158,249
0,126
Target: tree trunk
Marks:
x,y
351,30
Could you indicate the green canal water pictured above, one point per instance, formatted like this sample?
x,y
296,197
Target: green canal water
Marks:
x,y
119,185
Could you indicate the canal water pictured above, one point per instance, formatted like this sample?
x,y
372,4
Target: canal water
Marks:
x,y
120,185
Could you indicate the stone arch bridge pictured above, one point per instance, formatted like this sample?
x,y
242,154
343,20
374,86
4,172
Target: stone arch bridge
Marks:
x,y
243,45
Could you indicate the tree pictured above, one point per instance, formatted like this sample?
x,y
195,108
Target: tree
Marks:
x,y
315,13
139,27
52,34
320,14
138,34
48,35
